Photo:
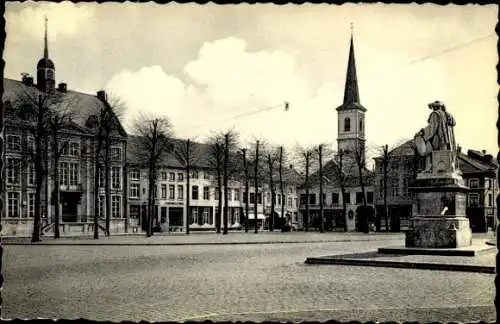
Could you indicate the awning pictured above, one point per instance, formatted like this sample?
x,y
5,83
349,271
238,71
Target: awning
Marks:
x,y
259,216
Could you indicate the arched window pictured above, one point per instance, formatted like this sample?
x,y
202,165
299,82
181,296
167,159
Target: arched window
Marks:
x,y
361,124
347,124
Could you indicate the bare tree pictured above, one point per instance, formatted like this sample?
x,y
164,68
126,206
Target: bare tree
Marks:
x,y
305,155
339,169
320,155
256,182
216,160
282,190
32,110
271,156
155,138
358,153
246,179
59,117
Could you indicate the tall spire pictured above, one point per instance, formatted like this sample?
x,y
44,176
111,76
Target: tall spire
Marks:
x,y
46,45
351,92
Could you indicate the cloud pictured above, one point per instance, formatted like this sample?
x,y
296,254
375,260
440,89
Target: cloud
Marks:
x,y
64,18
230,87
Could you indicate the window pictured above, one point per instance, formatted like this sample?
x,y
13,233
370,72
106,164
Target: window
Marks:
x,y
13,204
206,175
335,198
361,124
205,216
359,197
405,187
236,215
206,193
115,206
163,175
194,193
259,198
31,204
64,148
30,144
474,200
347,198
102,209
237,194
303,199
116,153
216,194
245,197
115,178
474,183
194,175
279,199
230,194
488,184
395,188
180,176
134,190
73,174
163,191
180,192
268,197
194,215
31,174
171,192
252,197
101,177
312,199
135,174
63,174
296,202
13,171
171,176
490,200
369,197
289,202
74,149
347,124
13,142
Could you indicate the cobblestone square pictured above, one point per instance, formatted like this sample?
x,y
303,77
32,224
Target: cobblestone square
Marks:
x,y
232,282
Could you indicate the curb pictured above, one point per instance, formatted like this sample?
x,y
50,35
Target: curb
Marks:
x,y
181,243
397,264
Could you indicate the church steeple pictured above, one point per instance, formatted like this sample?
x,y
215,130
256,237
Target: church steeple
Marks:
x,y
351,92
46,45
45,74
351,114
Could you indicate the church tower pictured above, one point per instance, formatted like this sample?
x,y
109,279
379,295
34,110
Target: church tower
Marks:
x,y
351,114
46,71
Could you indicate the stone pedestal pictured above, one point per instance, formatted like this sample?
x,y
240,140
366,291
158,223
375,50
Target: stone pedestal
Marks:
x,y
439,208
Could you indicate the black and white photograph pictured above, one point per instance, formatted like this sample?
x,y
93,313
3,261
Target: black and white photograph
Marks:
x,y
249,162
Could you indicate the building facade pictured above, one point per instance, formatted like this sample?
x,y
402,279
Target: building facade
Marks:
x,y
23,100
478,170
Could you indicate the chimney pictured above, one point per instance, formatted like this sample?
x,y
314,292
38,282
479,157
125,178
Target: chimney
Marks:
x,y
28,80
101,94
63,87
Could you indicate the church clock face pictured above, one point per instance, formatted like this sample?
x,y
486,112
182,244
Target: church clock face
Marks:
x,y
50,74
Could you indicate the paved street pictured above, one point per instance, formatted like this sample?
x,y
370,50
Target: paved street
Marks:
x,y
248,282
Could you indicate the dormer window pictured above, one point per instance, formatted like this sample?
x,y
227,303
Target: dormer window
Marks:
x,y
347,124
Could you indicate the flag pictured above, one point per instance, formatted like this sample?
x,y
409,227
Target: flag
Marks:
x,y
287,105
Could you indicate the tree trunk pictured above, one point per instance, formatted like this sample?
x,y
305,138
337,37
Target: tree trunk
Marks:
x,y
40,132
273,193
364,211
219,185
306,216
226,189
46,200
107,170
256,184
57,193
386,207
150,201
247,205
344,208
321,211
283,199
188,178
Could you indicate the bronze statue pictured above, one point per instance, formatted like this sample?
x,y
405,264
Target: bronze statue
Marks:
x,y
437,136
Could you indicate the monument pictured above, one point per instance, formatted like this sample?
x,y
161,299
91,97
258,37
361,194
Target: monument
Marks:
x,y
440,192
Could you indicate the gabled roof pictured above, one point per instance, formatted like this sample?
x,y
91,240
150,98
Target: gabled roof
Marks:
x,y
82,105
468,165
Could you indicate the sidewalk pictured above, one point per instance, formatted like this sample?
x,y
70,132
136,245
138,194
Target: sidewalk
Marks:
x,y
210,238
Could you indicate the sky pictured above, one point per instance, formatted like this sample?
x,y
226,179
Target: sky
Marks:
x,y
204,65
